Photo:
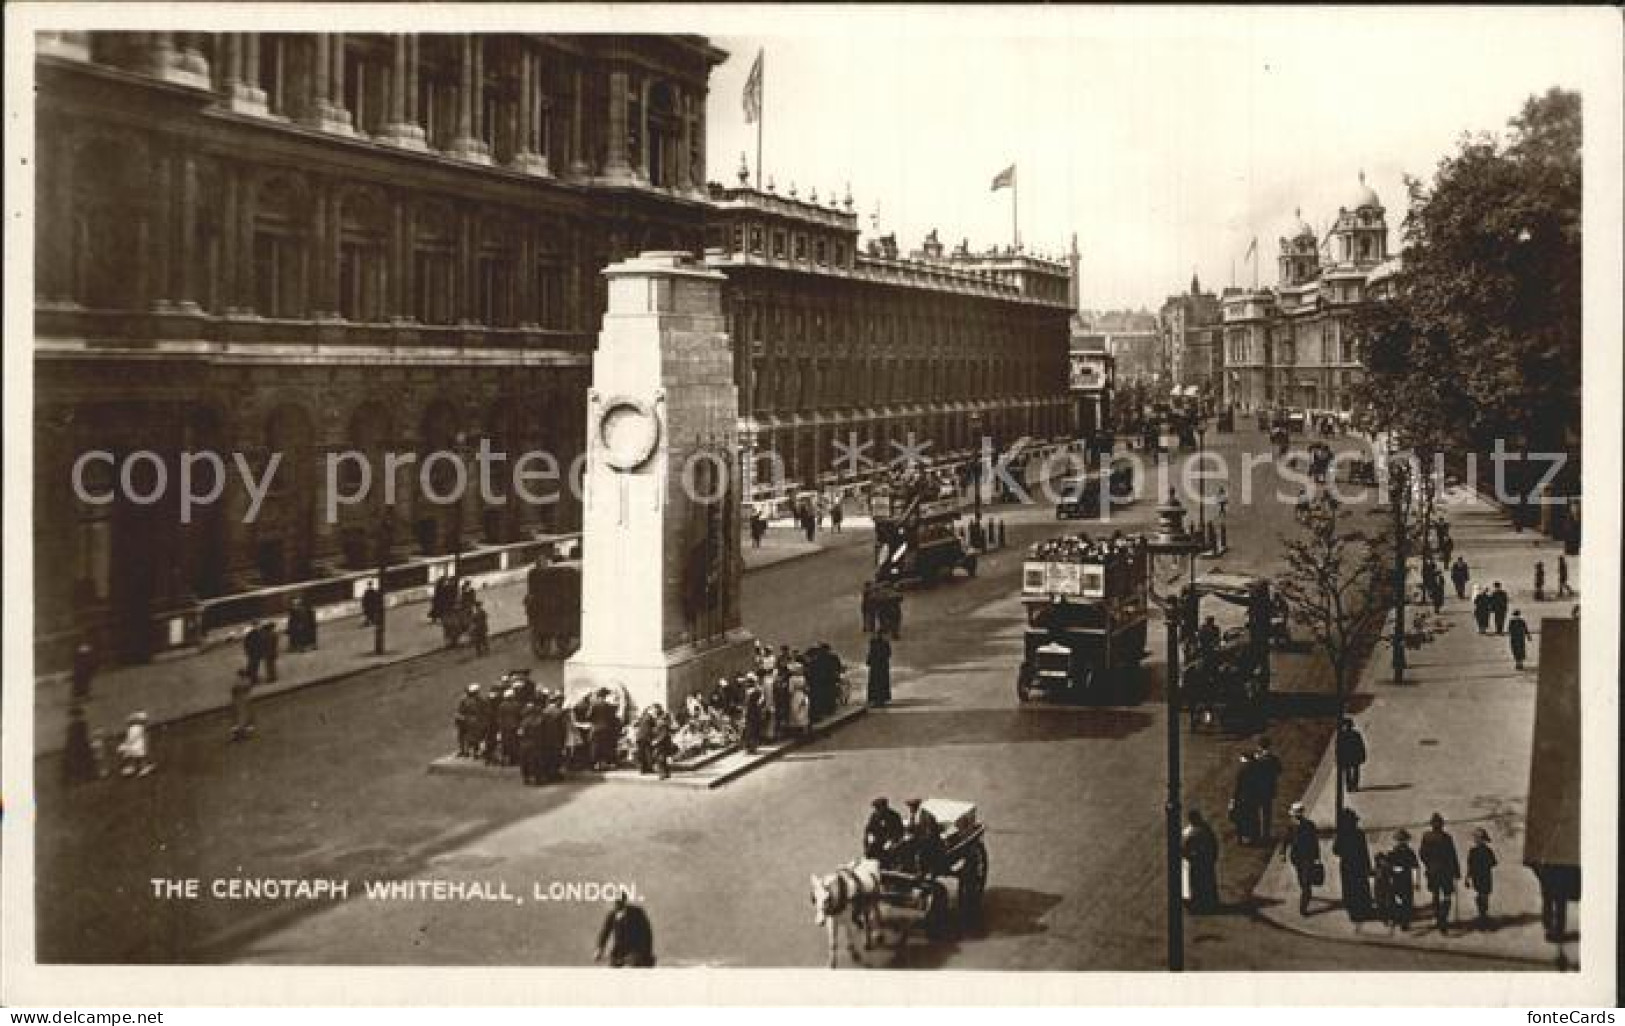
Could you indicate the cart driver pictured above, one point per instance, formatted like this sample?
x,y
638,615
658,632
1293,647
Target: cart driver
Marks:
x,y
921,850
882,834
1207,638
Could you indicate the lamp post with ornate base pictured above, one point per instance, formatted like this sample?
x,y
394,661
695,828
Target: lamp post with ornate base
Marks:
x,y
1171,539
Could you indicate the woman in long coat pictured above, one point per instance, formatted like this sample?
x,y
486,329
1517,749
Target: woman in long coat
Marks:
x,y
1353,865
1200,847
879,670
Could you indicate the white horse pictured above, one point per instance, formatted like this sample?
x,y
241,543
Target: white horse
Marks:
x,y
856,887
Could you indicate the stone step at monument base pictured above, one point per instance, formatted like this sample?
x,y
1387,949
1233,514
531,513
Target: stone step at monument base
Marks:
x,y
712,770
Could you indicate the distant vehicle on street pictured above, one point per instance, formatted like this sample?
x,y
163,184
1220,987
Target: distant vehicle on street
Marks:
x,y
1086,615
1081,495
914,530
1226,676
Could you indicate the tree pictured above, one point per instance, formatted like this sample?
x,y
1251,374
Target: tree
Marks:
x,y
1334,584
1482,338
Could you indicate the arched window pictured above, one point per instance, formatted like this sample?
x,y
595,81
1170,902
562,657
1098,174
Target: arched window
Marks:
x,y
281,246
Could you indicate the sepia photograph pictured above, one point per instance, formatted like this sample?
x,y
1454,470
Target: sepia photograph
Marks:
x,y
976,493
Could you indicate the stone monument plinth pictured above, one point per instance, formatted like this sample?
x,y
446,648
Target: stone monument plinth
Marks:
x,y
661,562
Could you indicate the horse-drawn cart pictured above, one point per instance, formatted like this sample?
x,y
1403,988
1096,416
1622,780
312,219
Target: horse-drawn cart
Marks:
x,y
914,881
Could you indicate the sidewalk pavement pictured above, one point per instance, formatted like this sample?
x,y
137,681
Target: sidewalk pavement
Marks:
x,y
199,682
1455,739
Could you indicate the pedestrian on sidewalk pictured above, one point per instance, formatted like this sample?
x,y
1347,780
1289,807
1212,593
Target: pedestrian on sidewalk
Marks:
x,y
1201,851
1563,589
84,668
242,707
1481,608
1441,867
1540,581
879,661
755,715
480,629
253,652
1268,767
1244,801
626,936
1498,607
1447,547
1435,583
372,605
1353,865
1459,576
1481,873
1302,848
837,513
1402,867
1518,636
272,645
78,755
1350,754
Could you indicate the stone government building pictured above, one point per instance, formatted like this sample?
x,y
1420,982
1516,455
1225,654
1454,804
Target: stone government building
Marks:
x,y
310,243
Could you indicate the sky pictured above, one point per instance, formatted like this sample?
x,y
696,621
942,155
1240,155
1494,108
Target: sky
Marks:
x,y
1166,139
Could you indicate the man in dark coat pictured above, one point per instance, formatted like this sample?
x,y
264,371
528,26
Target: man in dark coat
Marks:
x,y
922,839
253,652
883,833
272,646
1442,868
552,734
660,742
755,716
78,757
643,740
1481,611
467,722
1402,867
1268,768
84,668
492,724
530,743
1481,873
1353,865
1498,607
1518,636
508,714
480,629
1459,576
372,605
1200,849
604,731
879,661
1350,754
1244,801
626,936
778,684
1302,849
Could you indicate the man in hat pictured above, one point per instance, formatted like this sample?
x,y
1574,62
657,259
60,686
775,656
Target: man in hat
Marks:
x,y
1200,849
253,652
1459,576
755,714
1402,867
626,936
1350,754
271,647
1498,607
922,839
1302,849
508,713
1481,873
1441,867
1268,767
1518,638
552,734
466,720
1244,801
883,833
604,731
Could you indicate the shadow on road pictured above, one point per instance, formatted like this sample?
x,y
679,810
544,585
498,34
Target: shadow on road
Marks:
x,y
986,727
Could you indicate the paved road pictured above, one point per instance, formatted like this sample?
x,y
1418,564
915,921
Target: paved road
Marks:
x,y
335,788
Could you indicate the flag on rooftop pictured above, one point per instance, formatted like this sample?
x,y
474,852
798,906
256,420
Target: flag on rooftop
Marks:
x,y
1005,179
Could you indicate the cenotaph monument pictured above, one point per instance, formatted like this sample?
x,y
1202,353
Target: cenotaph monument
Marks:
x,y
661,562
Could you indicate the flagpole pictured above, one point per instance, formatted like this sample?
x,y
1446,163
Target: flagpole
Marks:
x,y
1015,206
761,116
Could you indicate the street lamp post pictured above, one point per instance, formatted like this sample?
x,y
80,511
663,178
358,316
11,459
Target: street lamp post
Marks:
x,y
976,466
1399,488
1170,539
